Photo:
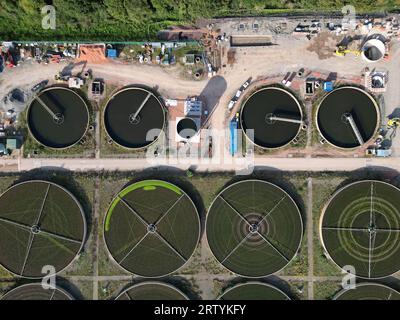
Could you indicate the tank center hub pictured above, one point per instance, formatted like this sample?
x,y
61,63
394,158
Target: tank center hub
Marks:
x,y
35,229
372,228
253,228
133,119
345,117
151,228
269,118
58,118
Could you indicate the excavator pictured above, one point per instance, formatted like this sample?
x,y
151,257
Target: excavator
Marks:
x,y
343,50
393,124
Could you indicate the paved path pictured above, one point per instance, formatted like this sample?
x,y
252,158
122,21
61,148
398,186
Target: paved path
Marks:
x,y
96,209
284,164
97,135
310,239
225,276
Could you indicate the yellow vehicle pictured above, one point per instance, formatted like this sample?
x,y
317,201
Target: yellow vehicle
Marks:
x,y
393,123
342,51
392,126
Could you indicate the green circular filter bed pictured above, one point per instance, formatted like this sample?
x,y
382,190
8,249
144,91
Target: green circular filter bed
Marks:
x,y
35,291
134,117
58,117
152,291
368,291
334,110
41,224
265,111
152,228
254,228
360,227
254,291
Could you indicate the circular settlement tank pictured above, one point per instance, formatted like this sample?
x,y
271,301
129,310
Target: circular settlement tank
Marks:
x,y
274,114
152,228
254,228
35,291
41,224
134,117
348,117
368,291
151,291
360,226
58,117
186,128
253,291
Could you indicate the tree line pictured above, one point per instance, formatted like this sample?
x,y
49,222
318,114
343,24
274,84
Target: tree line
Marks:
x,y
141,19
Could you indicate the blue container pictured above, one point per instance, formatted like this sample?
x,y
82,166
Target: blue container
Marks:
x,y
233,125
328,86
111,53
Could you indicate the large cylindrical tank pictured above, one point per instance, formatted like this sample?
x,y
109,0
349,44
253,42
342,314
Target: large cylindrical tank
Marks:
x,y
373,50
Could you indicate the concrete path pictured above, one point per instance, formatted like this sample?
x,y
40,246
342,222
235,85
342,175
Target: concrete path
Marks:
x,y
96,209
284,164
310,239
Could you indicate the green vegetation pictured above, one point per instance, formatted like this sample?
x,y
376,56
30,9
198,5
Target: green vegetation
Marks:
x,y
138,20
326,290
323,188
109,290
150,183
147,185
299,264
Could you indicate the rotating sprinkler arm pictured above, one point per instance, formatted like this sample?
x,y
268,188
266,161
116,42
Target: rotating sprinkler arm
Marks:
x,y
372,213
47,108
371,247
372,231
141,106
354,127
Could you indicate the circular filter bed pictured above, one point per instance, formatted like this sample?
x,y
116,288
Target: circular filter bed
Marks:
x,y
152,228
254,291
254,228
35,291
368,291
58,117
41,224
134,118
274,114
152,291
348,117
360,227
